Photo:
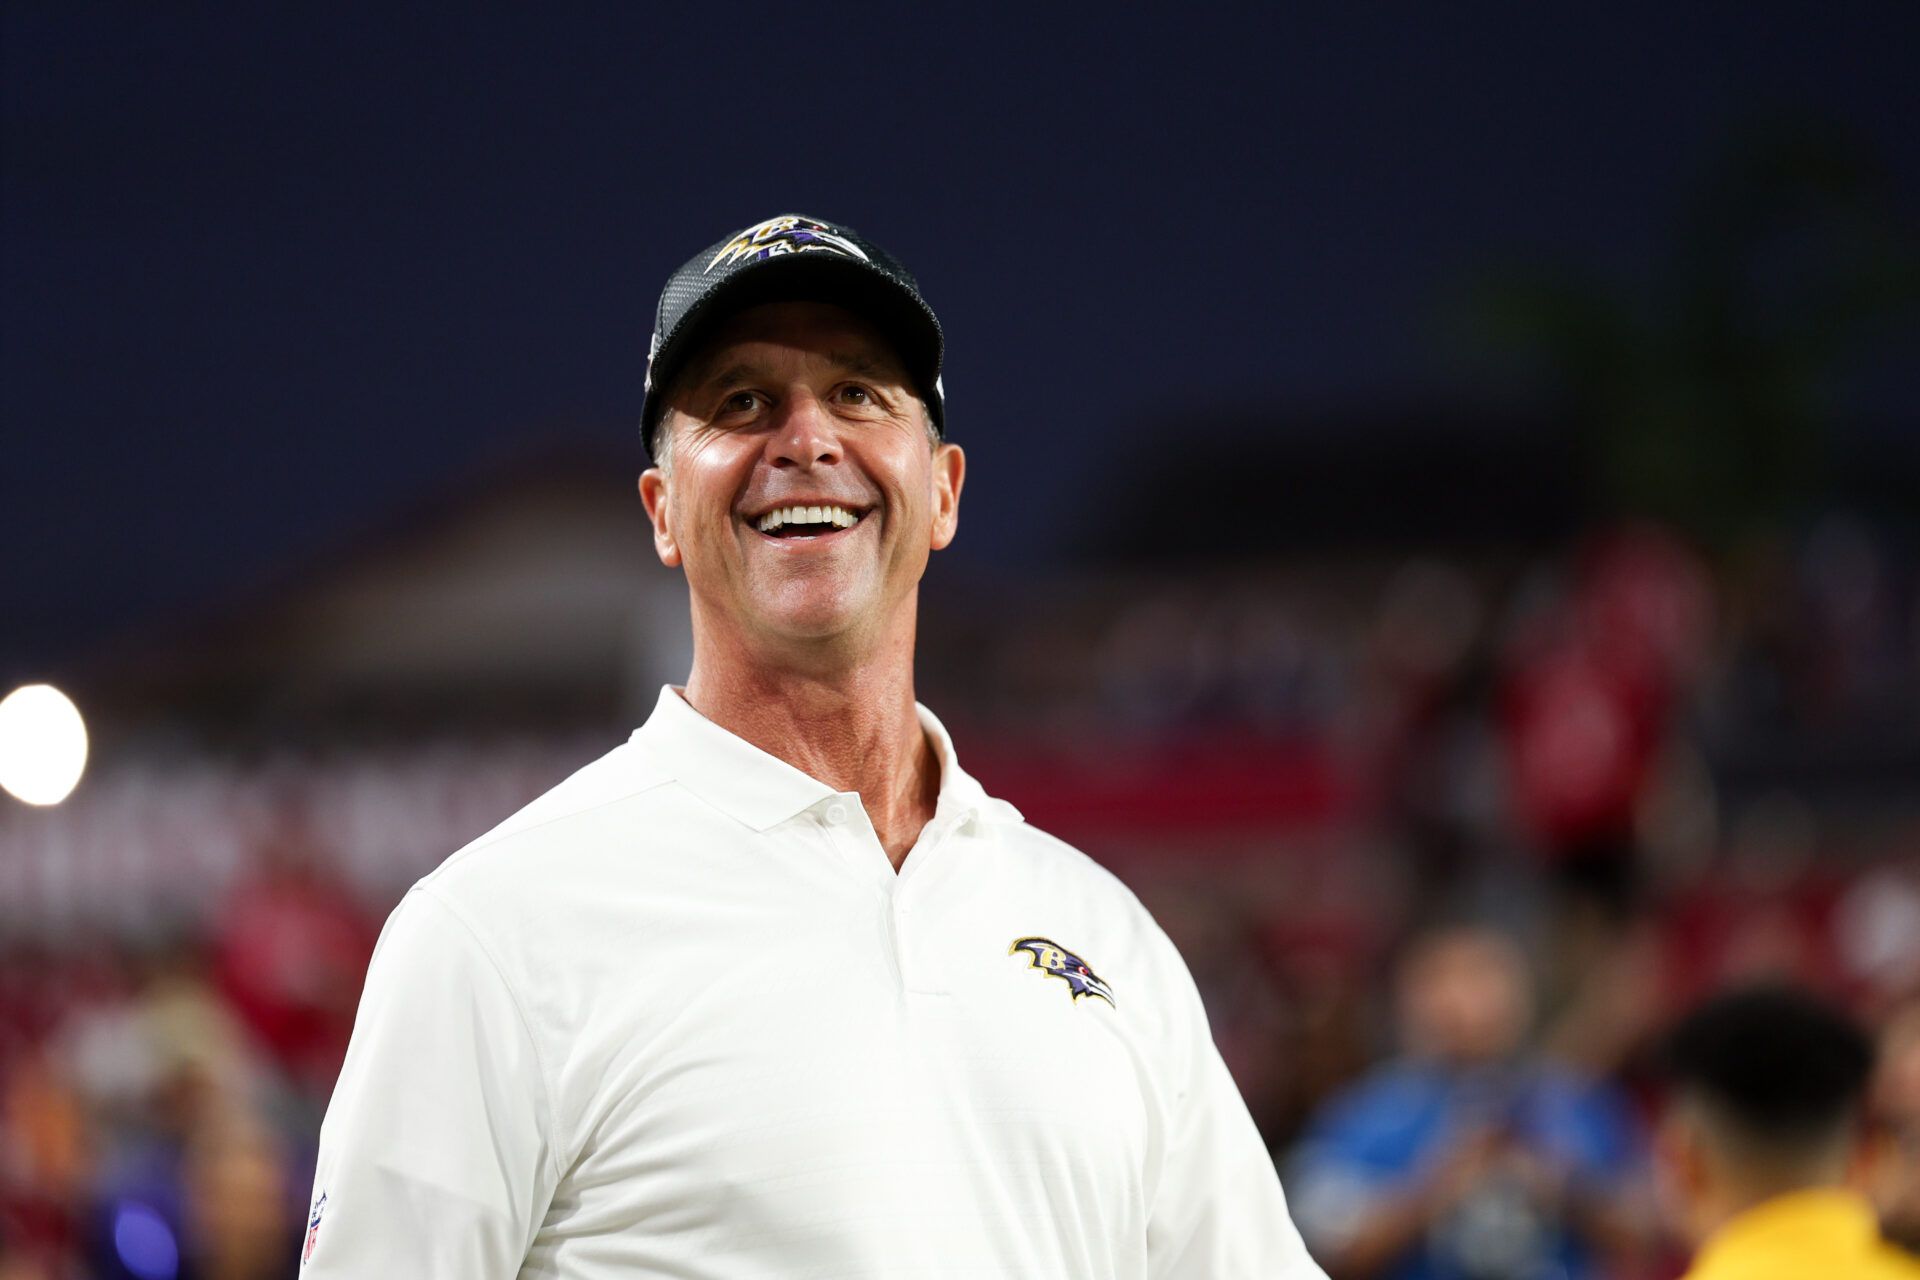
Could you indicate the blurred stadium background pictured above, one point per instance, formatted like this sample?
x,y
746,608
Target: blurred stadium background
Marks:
x,y
1494,560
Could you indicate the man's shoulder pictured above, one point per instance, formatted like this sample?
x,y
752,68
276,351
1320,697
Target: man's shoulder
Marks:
x,y
1043,854
1894,1263
572,815
1882,1261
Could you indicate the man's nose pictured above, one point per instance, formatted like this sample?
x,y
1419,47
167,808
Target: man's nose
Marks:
x,y
804,435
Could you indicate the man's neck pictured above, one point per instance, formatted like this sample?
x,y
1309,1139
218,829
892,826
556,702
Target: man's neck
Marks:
x,y
849,723
1739,1188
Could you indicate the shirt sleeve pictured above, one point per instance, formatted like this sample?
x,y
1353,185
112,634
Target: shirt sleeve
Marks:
x,y
435,1157
1218,1211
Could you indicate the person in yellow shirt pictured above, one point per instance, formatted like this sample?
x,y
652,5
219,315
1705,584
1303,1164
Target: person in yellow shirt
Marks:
x,y
1893,1164
1760,1138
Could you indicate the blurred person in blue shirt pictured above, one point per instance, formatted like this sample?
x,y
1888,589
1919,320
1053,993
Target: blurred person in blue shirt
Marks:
x,y
1469,1158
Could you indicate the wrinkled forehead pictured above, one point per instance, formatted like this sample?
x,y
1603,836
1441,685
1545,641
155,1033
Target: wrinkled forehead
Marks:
x,y
774,335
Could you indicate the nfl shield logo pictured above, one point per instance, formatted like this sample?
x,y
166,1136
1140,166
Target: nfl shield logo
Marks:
x,y
313,1229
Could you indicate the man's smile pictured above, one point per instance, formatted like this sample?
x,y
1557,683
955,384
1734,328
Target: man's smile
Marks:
x,y
807,522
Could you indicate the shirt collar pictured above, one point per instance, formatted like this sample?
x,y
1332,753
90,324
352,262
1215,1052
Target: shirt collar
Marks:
x,y
763,791
961,800
1822,1222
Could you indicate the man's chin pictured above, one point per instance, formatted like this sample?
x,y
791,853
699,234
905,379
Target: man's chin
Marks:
x,y
813,614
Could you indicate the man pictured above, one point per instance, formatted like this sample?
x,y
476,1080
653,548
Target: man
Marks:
x,y
1466,1157
1758,1142
775,989
1894,1153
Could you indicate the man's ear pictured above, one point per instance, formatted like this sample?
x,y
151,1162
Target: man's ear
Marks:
x,y
1681,1175
654,496
949,473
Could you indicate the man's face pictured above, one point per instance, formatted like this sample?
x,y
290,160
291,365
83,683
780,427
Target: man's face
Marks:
x,y
800,405
1464,998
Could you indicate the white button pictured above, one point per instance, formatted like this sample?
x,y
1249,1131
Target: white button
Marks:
x,y
836,813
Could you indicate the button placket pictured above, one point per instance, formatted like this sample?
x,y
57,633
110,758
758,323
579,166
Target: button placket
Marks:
x,y
916,979
832,825
902,949
859,849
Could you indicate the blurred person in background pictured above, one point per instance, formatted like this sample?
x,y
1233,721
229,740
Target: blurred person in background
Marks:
x,y
1893,1169
237,1181
1468,1157
137,1129
1589,691
1760,1141
290,946
46,1167
165,1077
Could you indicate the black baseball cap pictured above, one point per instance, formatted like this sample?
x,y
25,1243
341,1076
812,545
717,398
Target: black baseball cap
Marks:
x,y
792,258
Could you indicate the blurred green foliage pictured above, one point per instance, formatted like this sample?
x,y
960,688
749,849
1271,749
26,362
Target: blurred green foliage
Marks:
x,y
1708,401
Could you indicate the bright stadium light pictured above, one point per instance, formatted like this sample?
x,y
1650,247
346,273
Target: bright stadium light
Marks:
x,y
43,744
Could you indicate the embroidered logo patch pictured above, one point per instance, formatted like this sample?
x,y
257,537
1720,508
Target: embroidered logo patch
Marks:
x,y
790,234
1056,961
313,1229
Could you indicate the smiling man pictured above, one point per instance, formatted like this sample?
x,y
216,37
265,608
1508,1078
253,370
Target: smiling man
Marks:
x,y
774,988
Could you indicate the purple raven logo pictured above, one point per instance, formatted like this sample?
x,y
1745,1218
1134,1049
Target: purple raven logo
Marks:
x,y
788,234
1056,961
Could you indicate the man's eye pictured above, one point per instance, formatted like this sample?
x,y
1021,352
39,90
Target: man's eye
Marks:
x,y
740,402
856,395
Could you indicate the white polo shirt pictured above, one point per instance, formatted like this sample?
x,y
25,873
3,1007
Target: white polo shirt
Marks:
x,y
679,1017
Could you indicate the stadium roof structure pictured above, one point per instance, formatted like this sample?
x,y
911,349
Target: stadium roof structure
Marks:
x,y
526,593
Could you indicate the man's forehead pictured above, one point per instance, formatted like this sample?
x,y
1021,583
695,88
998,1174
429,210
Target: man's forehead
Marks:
x,y
1471,951
774,333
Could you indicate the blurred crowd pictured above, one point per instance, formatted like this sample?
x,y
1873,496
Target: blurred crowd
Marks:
x,y
1577,793
160,1096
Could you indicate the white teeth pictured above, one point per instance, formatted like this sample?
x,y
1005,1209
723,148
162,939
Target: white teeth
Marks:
x,y
837,516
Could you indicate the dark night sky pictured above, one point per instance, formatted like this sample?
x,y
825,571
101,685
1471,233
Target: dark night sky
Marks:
x,y
267,279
